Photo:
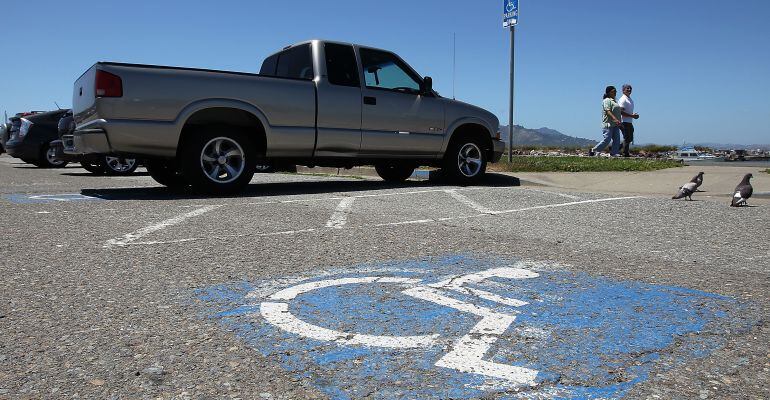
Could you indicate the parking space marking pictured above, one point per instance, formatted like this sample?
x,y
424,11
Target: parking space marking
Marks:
x,y
468,202
569,196
48,198
340,216
130,237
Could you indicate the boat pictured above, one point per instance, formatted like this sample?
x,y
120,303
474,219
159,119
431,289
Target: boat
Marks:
x,y
690,154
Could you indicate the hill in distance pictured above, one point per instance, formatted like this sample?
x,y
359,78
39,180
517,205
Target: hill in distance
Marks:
x,y
544,137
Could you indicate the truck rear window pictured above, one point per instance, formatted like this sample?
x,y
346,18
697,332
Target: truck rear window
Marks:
x,y
296,63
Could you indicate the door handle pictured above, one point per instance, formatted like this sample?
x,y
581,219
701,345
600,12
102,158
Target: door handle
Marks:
x,y
372,101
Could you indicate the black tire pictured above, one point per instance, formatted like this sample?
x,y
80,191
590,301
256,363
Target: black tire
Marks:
x,y
48,158
465,161
218,160
166,173
116,165
94,168
395,173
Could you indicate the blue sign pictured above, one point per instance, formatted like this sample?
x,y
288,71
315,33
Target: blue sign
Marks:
x,y
464,327
510,13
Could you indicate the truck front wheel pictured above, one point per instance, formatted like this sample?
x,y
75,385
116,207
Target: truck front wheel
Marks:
x,y
218,163
394,173
465,161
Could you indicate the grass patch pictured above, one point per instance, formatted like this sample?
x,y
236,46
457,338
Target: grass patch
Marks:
x,y
767,171
580,164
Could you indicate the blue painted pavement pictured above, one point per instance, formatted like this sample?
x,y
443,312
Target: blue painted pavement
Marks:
x,y
47,198
586,337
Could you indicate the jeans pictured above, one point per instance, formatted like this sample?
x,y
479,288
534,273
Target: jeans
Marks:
x,y
610,134
628,137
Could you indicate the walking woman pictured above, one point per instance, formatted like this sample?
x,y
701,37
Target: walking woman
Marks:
x,y
610,123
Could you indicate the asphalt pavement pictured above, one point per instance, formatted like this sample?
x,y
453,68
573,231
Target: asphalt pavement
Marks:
x,y
528,286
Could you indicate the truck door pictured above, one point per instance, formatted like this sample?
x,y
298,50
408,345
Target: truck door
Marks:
x,y
339,103
397,120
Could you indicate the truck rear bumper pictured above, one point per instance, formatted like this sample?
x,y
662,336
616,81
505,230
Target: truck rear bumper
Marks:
x,y
86,141
497,151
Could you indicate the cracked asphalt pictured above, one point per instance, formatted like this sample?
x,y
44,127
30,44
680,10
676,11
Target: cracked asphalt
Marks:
x,y
101,276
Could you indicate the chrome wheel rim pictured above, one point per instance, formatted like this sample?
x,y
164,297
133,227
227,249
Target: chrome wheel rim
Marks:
x,y
222,160
50,156
469,160
119,164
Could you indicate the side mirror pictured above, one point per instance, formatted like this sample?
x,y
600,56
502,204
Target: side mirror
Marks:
x,y
427,85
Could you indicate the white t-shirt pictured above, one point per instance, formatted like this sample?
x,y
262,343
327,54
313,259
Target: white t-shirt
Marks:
x,y
628,107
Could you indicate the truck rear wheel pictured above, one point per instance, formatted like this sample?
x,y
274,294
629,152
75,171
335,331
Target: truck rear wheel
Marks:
x,y
218,162
165,173
120,165
465,161
394,173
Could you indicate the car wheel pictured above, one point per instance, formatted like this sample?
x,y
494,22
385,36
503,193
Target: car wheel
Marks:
x,y
166,173
394,173
465,161
48,158
94,168
120,165
218,162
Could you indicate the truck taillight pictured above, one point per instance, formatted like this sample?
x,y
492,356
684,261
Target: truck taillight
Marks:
x,y
108,85
24,128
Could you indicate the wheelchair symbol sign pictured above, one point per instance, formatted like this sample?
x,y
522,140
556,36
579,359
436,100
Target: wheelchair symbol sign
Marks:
x,y
464,327
467,354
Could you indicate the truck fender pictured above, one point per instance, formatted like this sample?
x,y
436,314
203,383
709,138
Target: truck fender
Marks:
x,y
201,105
452,128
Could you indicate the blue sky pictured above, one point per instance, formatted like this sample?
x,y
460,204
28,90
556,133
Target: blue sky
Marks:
x,y
699,67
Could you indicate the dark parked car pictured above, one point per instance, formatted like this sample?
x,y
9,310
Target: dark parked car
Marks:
x,y
3,136
110,164
30,138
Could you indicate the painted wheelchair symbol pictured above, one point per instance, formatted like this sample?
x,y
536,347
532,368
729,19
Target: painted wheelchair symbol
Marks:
x,y
466,355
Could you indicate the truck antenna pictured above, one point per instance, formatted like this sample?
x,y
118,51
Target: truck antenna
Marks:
x,y
454,63
57,105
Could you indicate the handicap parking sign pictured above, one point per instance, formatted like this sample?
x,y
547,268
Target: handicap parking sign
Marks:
x,y
464,327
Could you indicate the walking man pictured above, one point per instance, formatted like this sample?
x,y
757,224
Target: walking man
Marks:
x,y
627,111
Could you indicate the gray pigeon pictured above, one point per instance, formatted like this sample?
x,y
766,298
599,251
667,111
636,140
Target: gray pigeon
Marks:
x,y
686,190
742,192
698,180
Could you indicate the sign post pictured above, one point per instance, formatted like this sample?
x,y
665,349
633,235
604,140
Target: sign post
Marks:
x,y
510,19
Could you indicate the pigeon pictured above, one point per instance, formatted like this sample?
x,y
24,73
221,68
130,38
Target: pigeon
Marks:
x,y
698,180
742,192
686,191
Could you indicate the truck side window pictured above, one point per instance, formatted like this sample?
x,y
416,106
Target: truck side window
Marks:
x,y
341,65
296,63
269,65
383,70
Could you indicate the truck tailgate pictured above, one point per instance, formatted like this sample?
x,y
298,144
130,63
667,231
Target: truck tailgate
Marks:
x,y
84,97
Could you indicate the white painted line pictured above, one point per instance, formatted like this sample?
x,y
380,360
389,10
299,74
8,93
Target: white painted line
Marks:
x,y
340,216
569,196
573,203
468,202
130,237
125,242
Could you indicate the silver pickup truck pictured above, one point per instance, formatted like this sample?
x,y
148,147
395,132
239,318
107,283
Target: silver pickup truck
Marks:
x,y
316,103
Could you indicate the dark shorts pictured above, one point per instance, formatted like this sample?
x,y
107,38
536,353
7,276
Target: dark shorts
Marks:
x,y
628,132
